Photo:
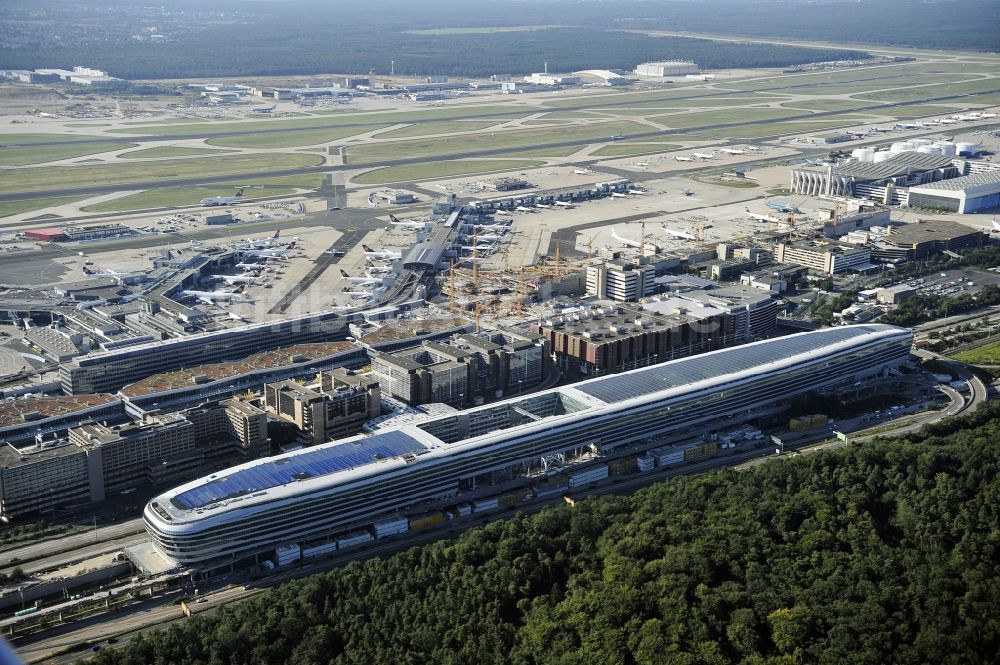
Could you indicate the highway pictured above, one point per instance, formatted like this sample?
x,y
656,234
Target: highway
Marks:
x,y
29,556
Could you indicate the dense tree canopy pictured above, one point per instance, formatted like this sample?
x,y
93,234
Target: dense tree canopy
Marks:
x,y
882,553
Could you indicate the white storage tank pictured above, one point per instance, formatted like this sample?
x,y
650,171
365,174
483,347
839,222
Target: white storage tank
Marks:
x,y
947,147
966,148
882,156
929,150
902,146
920,142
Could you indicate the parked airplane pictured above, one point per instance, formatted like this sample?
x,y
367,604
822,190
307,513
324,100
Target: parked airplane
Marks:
x,y
255,267
266,109
211,297
365,281
781,207
407,224
223,200
492,238
523,209
679,234
909,125
640,192
754,148
379,270
383,254
103,273
268,243
732,151
996,226
682,158
761,218
814,162
687,192
564,204
618,195
625,241
502,213
705,155
486,248
237,279
270,253
583,171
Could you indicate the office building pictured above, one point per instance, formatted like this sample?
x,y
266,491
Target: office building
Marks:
x,y
99,461
478,454
824,257
914,242
621,281
110,370
334,406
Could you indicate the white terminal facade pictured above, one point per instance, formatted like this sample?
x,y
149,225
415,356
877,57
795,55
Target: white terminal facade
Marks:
x,y
326,493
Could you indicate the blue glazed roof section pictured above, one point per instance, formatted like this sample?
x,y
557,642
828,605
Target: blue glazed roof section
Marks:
x,y
686,371
303,465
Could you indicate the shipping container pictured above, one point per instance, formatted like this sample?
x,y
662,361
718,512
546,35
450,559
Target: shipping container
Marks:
x,y
288,554
462,510
622,466
645,463
391,527
590,475
352,539
424,521
319,550
483,505
700,451
513,498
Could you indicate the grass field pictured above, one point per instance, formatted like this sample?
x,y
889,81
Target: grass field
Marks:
x,y
919,110
169,151
627,149
184,196
28,139
50,153
683,120
932,91
8,208
826,104
428,128
58,177
988,354
513,139
369,120
441,170
542,152
289,139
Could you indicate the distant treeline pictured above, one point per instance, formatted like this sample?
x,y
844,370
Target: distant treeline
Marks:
x,y
880,553
258,50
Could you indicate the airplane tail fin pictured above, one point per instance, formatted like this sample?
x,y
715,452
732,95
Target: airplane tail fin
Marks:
x,y
239,192
87,271
366,248
276,234
292,246
343,273
240,289
392,218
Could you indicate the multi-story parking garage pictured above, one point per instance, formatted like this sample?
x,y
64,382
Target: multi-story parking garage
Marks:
x,y
349,485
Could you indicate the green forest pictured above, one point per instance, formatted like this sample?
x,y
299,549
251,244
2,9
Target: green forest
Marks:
x,y
882,553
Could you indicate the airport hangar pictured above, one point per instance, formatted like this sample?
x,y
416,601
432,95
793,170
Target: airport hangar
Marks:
x,y
241,515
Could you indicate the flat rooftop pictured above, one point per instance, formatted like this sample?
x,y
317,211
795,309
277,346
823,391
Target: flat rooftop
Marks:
x,y
991,177
28,409
899,165
401,330
928,231
290,355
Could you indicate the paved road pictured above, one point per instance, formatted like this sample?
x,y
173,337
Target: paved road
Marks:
x,y
344,243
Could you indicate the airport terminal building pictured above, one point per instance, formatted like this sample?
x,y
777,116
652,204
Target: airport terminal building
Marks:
x,y
344,490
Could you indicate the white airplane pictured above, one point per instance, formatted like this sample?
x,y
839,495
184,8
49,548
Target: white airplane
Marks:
x,y
237,279
754,148
679,234
625,241
269,253
379,270
640,192
268,243
618,195
491,238
682,158
583,171
407,224
364,281
732,151
502,213
814,162
223,200
211,297
254,267
103,273
543,206
948,121
761,218
564,204
909,125
705,155
523,209
479,249
266,109
996,226
781,207
502,228
383,254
